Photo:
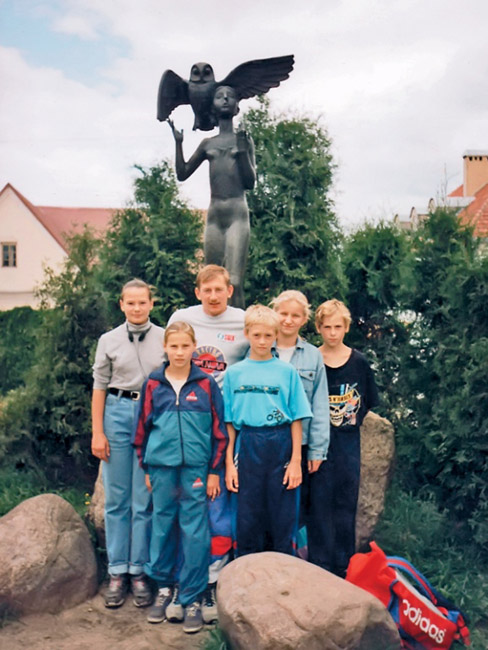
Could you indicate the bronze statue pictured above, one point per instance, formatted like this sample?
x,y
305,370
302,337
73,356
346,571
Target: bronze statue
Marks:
x,y
232,171
230,154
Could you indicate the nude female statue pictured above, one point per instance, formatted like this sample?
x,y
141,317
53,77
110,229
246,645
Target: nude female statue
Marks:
x,y
232,172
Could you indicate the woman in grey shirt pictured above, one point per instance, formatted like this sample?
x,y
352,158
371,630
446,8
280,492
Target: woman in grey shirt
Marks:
x,y
125,357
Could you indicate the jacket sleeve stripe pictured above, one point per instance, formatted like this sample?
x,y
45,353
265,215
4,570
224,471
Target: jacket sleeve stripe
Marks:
x,y
144,419
219,431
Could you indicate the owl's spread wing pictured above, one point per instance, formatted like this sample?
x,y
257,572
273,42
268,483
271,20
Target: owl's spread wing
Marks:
x,y
258,76
173,91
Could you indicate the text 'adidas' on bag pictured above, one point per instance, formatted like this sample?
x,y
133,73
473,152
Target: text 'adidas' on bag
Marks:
x,y
425,619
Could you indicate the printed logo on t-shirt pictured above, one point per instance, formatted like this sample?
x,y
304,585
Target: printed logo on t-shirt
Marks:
x,y
198,483
229,338
210,359
276,415
191,397
345,405
253,388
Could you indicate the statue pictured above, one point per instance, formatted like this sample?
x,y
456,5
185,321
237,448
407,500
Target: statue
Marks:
x,y
230,154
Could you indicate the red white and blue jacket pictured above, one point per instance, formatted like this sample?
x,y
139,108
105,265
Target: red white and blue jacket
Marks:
x,y
187,431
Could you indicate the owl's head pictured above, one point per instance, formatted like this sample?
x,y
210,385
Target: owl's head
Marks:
x,y
201,73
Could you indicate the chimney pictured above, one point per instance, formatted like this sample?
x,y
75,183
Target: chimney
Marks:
x,y
475,171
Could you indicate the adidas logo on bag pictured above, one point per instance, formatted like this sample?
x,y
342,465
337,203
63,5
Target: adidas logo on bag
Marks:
x,y
414,614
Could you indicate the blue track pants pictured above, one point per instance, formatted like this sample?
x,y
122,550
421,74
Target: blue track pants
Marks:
x,y
266,510
332,504
180,513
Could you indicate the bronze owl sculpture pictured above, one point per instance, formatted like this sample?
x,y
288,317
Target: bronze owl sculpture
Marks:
x,y
248,79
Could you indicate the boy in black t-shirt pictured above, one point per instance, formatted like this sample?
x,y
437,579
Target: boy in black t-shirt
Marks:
x,y
352,393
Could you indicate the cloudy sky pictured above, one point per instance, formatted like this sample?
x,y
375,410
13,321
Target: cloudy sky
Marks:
x,y
401,86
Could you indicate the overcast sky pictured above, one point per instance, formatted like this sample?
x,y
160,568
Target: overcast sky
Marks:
x,y
400,85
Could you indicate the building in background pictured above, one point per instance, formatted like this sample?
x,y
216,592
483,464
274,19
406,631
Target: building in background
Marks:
x,y
470,198
33,237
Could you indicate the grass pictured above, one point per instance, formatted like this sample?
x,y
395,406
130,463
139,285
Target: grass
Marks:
x,y
18,485
214,640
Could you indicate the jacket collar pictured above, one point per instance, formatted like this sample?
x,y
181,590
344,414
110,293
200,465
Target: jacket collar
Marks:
x,y
300,344
195,373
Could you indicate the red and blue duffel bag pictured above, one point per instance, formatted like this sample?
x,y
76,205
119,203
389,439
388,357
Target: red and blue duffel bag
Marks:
x,y
426,620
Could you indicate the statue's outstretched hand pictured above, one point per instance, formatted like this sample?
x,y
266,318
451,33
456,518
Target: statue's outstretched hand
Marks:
x,y
243,142
178,135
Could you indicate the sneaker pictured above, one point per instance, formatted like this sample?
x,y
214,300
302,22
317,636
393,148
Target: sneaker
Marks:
x,y
141,590
209,604
174,610
157,613
117,590
193,618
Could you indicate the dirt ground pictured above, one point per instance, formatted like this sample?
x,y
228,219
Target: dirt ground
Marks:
x,y
91,626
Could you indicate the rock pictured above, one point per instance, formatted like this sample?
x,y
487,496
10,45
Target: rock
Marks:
x,y
271,601
48,562
96,509
377,457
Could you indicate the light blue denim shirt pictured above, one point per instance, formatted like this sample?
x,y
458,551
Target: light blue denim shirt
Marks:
x,y
316,433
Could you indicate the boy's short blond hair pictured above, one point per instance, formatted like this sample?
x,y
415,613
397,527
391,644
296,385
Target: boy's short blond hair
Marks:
x,y
330,308
292,294
261,315
209,272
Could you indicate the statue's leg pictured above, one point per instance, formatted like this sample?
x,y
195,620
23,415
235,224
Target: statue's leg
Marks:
x,y
214,245
236,252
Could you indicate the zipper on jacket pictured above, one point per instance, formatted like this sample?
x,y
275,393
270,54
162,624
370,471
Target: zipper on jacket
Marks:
x,y
181,435
179,420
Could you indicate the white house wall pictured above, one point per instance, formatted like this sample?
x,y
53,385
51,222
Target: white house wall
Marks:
x,y
36,248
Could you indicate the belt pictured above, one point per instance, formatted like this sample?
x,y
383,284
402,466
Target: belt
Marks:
x,y
129,394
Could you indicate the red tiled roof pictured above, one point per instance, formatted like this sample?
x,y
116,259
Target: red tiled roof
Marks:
x,y
476,212
459,191
60,222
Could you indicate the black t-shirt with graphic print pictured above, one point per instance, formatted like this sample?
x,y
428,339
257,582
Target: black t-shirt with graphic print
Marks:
x,y
352,393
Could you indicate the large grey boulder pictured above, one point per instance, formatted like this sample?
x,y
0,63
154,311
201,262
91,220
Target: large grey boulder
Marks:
x,y
271,601
48,562
96,508
377,458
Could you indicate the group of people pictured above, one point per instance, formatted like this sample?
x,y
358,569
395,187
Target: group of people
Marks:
x,y
221,435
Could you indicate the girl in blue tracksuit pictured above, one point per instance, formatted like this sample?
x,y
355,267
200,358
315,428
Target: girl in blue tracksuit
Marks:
x,y
181,442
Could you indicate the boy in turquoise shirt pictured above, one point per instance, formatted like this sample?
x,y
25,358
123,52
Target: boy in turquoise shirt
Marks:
x,y
265,402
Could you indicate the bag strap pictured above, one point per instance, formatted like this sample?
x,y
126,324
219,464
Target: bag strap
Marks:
x,y
421,581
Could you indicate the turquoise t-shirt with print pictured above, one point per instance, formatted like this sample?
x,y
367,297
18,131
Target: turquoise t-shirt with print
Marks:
x,y
264,393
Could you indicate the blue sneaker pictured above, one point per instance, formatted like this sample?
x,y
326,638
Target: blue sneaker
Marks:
x,y
193,621
157,612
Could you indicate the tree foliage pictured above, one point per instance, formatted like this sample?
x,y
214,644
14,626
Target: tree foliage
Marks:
x,y
377,264
420,304
19,328
294,232
157,239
